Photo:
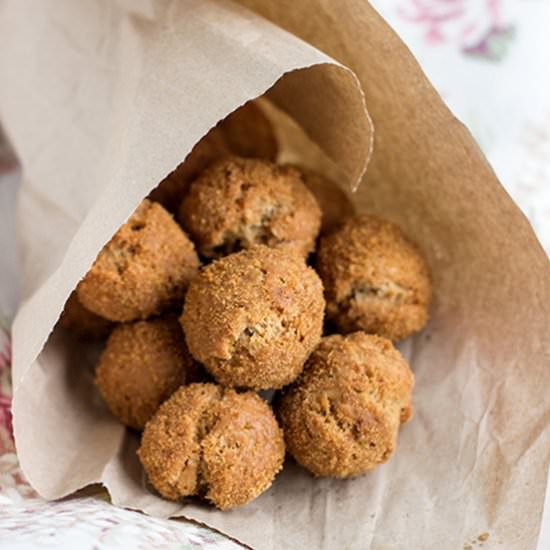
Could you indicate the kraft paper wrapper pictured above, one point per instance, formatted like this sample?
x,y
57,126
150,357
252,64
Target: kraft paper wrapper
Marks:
x,y
104,99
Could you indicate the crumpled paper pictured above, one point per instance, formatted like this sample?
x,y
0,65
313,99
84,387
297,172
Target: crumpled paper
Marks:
x,y
107,98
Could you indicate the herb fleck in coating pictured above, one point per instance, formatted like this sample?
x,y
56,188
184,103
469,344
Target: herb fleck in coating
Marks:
x,y
342,416
212,442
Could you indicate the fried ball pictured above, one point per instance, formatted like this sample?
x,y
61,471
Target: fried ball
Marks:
x,y
248,133
252,318
238,202
342,416
171,190
82,322
375,279
142,365
334,203
144,269
212,442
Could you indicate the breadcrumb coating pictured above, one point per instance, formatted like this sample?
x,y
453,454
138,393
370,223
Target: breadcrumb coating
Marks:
x,y
246,133
143,270
238,203
142,365
335,205
171,190
253,317
375,279
212,442
341,417
82,322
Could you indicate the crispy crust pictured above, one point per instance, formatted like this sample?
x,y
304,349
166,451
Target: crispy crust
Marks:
x,y
238,202
144,269
334,203
248,133
341,417
82,322
171,190
142,365
212,442
375,279
252,318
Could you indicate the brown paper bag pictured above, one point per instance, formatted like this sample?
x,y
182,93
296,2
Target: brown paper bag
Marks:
x,y
106,98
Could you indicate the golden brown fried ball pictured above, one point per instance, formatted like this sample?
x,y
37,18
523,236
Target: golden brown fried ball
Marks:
x,y
375,279
171,190
246,132
342,416
144,269
237,203
82,322
252,318
334,203
212,442
142,365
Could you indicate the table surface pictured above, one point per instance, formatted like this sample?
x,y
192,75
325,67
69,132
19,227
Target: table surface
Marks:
x,y
485,58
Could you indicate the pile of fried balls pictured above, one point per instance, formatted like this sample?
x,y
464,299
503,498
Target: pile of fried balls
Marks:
x,y
237,275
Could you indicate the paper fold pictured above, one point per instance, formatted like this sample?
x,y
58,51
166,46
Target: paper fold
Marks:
x,y
106,99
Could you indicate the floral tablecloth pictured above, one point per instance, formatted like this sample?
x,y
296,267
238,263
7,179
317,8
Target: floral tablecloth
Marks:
x,y
490,61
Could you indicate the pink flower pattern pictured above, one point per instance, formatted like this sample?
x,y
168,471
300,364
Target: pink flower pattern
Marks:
x,y
78,520
12,482
477,26
6,427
